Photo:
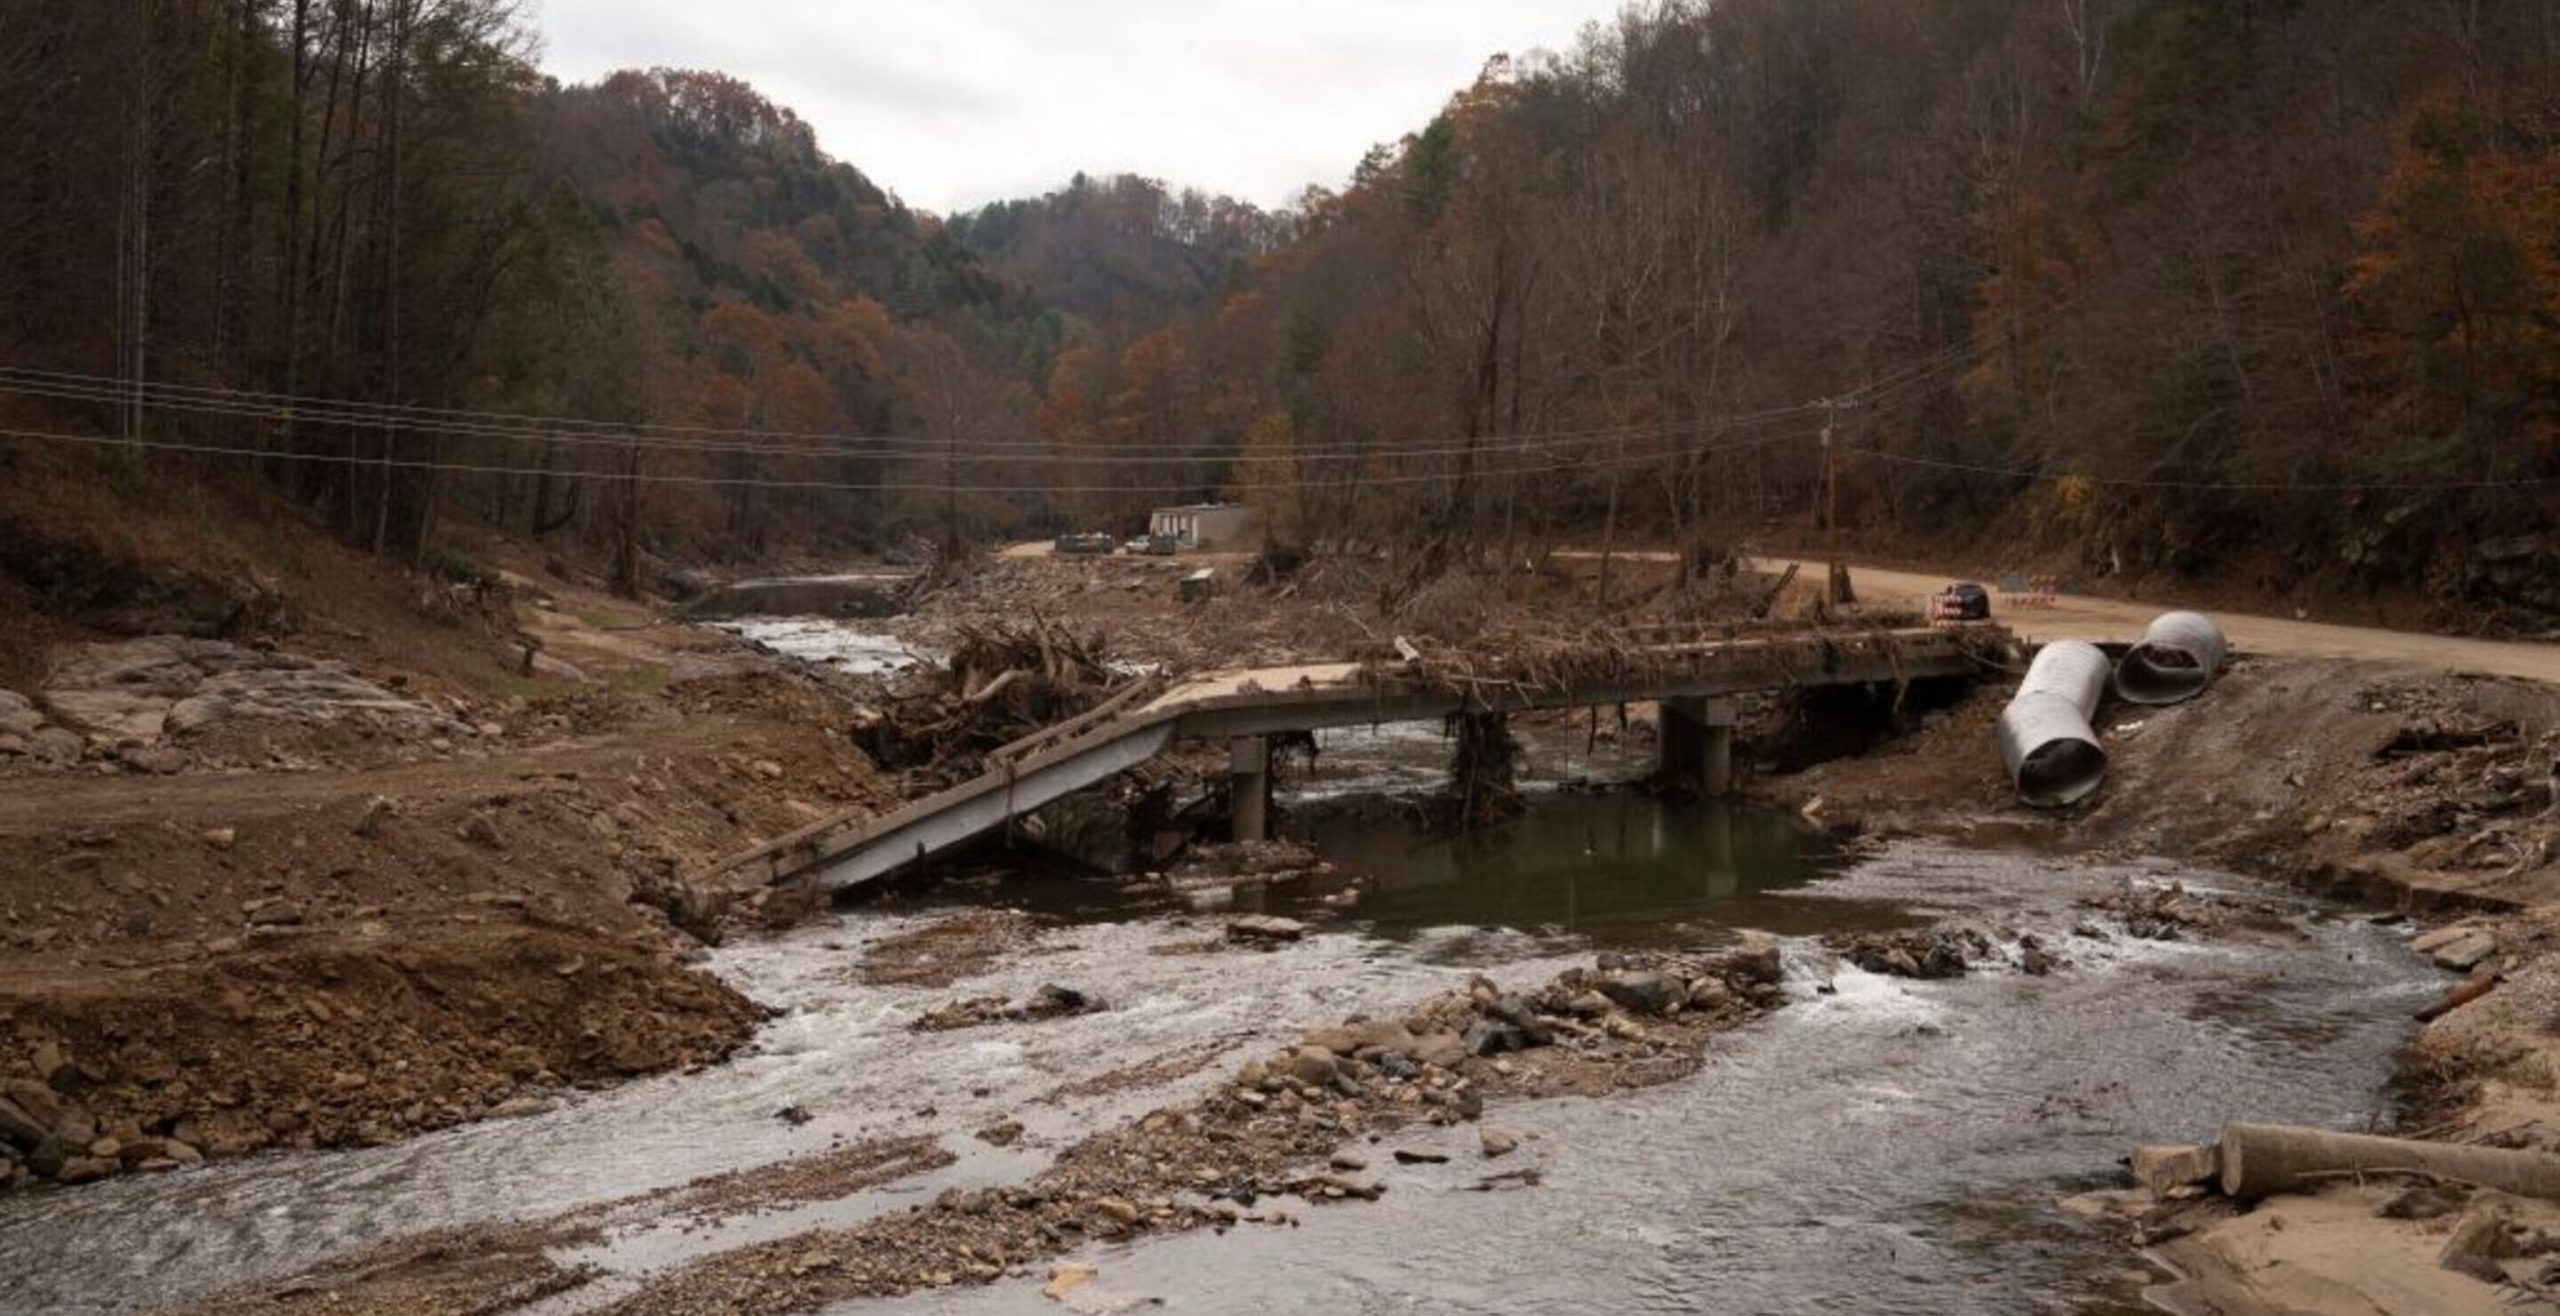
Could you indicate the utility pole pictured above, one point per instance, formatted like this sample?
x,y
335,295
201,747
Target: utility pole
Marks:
x,y
133,251
1836,588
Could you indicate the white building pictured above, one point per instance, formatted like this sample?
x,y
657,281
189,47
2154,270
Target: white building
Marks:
x,y
1204,525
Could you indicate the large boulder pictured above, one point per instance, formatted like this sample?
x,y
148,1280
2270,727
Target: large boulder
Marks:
x,y
141,690
1364,1039
307,694
1312,1066
37,1101
110,714
1442,1048
19,1128
57,746
1265,930
1758,961
1644,991
17,716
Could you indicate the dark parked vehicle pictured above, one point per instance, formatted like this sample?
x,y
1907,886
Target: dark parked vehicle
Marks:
x,y
1085,545
1965,601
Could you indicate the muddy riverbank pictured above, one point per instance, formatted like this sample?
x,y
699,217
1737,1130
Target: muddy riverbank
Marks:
x,y
2403,791
784,1177
1750,1160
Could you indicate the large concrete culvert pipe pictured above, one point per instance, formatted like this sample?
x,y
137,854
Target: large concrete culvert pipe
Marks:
x,y
2045,737
2175,661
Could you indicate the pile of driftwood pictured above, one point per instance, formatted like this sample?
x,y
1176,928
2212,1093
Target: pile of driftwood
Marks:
x,y
1001,683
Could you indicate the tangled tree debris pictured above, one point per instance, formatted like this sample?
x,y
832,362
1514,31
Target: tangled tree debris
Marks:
x,y
1002,683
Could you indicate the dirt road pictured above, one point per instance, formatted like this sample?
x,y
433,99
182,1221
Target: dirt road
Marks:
x,y
2077,616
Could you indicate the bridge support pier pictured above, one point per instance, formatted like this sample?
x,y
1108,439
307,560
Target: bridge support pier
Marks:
x,y
1697,743
1249,787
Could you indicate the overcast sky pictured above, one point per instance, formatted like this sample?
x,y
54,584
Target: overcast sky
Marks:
x,y
955,103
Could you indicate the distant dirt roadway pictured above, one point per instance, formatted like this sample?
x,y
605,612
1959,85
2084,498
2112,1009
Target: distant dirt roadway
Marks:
x,y
2073,616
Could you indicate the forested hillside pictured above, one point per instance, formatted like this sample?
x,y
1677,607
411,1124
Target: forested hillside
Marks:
x,y
1121,251
371,244
2246,287
2264,290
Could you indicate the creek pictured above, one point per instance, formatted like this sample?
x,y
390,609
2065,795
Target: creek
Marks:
x,y
1879,1145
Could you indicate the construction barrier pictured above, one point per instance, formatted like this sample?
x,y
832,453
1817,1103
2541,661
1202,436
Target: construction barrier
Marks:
x,y
2030,591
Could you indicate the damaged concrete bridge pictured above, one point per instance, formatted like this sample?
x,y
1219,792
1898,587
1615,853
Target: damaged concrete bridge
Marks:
x,y
1694,681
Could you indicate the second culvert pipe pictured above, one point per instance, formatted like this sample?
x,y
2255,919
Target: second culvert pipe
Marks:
x,y
2052,754
2175,661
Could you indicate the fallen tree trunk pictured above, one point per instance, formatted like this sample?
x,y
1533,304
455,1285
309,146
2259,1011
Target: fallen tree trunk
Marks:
x,y
993,688
2259,1160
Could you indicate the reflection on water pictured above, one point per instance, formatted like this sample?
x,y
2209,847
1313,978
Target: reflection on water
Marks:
x,y
1619,869
1615,868
1414,756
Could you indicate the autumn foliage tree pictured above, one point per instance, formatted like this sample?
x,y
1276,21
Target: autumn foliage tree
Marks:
x,y
2144,285
2460,278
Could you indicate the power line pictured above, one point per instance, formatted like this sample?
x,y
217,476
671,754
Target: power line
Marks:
x,y
932,486
2202,486
62,385
926,450
573,431
884,486
187,399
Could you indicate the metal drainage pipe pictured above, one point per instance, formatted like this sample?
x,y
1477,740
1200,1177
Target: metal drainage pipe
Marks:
x,y
2175,661
2073,669
2052,754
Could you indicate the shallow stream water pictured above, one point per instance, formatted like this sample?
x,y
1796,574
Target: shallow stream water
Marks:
x,y
1882,1146
825,643
1877,1146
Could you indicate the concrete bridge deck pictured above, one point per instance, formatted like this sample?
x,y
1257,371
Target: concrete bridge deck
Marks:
x,y
1244,705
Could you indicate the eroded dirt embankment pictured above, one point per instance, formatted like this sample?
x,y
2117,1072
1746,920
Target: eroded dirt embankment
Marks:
x,y
2417,788
441,927
2411,792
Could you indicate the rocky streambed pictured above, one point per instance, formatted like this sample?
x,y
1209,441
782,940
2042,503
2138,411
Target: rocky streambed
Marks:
x,y
1504,1121
1548,1067
1529,1070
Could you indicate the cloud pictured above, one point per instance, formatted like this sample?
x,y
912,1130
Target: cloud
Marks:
x,y
962,102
